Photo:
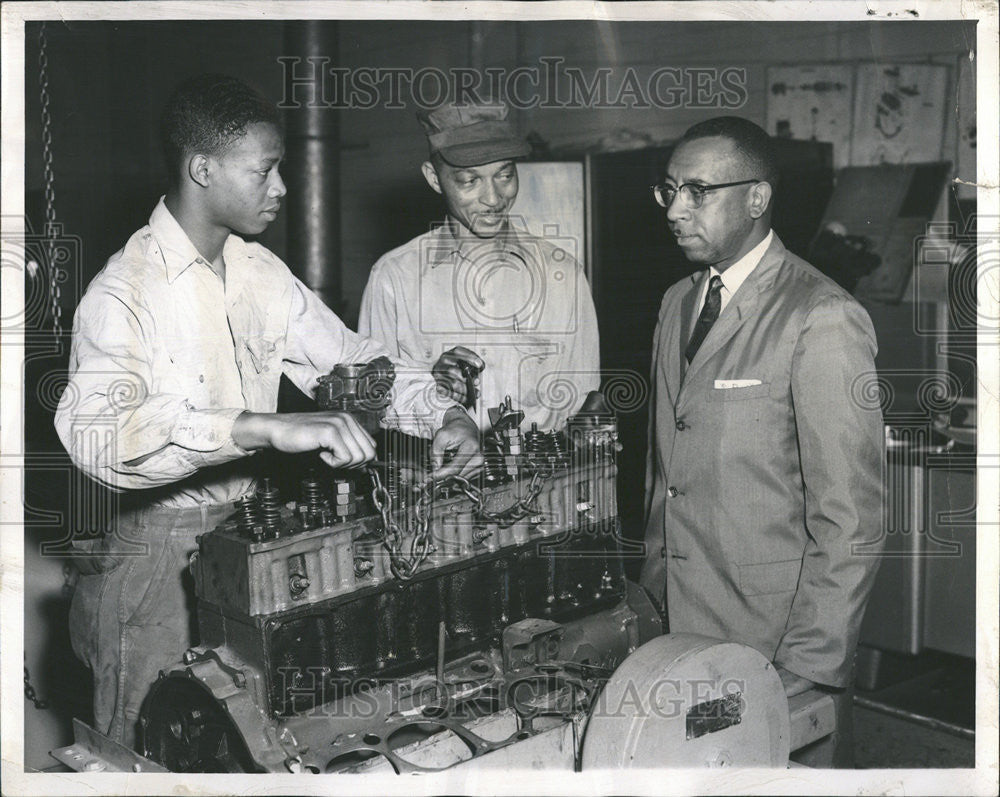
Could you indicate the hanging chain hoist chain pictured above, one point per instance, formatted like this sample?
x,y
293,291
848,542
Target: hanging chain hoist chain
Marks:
x,y
29,692
405,566
55,292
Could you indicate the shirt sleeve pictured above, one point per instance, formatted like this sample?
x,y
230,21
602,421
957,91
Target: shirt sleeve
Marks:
x,y
114,422
318,340
378,318
574,331
584,348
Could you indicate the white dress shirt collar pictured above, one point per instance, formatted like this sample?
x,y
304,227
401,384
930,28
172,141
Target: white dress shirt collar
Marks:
x,y
734,276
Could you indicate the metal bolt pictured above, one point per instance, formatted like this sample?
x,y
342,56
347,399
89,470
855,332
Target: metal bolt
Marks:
x,y
239,680
94,766
480,535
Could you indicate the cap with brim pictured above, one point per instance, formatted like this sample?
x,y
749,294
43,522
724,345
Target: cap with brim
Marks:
x,y
473,135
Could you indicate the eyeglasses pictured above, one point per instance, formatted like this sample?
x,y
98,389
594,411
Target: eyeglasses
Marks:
x,y
694,193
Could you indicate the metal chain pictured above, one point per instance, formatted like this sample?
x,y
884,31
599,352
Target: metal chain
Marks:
x,y
404,567
55,292
392,534
29,692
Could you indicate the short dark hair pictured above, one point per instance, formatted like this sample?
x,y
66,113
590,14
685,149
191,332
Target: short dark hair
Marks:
x,y
207,114
750,140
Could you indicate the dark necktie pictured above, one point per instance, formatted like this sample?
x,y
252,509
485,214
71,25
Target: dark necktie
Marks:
x,y
709,314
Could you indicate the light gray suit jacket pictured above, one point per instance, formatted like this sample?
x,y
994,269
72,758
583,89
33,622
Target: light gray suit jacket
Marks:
x,y
764,502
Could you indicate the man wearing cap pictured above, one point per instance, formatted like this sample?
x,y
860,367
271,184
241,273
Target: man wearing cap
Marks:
x,y
475,292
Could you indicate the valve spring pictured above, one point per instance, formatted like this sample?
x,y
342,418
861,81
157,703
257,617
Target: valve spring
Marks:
x,y
248,515
269,503
312,493
535,442
557,447
392,478
493,466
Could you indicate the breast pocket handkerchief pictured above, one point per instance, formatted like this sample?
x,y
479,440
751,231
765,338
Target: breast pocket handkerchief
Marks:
x,y
732,384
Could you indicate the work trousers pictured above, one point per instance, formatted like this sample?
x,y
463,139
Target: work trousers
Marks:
x,y
133,611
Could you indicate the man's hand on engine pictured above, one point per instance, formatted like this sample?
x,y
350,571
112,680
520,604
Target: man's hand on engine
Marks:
x,y
337,436
452,372
459,439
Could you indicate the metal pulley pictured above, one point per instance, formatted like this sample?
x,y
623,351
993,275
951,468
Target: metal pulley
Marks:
x,y
685,700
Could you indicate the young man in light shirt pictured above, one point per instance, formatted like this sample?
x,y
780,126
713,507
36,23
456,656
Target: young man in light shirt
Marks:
x,y
178,347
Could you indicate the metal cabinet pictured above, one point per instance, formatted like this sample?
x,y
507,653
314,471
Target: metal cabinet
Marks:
x,y
925,592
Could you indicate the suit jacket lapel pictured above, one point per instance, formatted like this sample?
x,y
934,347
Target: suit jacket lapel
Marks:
x,y
689,311
740,308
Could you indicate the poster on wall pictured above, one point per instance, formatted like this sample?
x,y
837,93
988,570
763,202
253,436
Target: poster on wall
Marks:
x,y
899,113
812,103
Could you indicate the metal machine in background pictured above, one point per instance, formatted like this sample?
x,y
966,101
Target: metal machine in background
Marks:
x,y
379,624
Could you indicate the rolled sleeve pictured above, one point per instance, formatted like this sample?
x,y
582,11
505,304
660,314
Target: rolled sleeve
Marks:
x,y
207,431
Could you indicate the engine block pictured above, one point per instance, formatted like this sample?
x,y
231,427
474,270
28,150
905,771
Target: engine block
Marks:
x,y
371,609
294,605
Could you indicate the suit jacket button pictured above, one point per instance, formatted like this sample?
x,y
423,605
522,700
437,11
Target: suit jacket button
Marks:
x,y
663,552
681,426
672,492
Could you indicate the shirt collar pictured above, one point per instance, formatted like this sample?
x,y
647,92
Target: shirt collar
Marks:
x,y
734,276
175,246
446,247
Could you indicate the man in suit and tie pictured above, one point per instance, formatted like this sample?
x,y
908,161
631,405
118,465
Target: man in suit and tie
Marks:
x,y
764,487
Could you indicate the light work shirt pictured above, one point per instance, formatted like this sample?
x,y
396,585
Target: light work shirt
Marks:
x,y
521,303
166,355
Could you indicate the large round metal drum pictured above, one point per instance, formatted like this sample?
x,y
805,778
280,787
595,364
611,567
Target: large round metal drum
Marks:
x,y
684,700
